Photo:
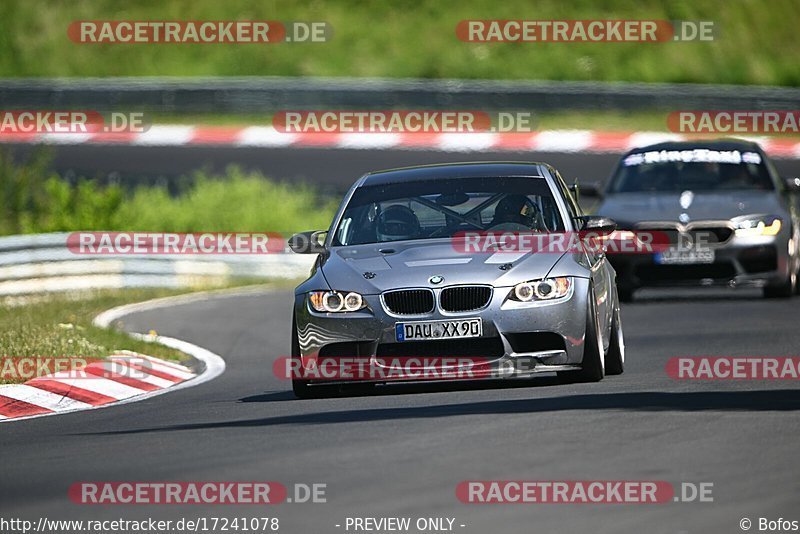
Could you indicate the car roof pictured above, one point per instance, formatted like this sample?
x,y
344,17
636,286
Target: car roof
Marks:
x,y
711,144
446,171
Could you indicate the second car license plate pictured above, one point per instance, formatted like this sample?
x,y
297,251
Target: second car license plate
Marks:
x,y
685,257
438,329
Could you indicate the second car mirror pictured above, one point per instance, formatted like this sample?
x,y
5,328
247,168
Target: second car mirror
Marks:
x,y
591,189
792,184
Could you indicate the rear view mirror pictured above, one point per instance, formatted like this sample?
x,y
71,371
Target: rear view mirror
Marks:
x,y
312,242
597,224
792,184
591,189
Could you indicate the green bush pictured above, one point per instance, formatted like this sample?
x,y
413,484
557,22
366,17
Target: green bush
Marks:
x,y
235,202
23,194
34,200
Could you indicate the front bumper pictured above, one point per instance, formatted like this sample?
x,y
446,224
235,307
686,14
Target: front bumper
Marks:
x,y
747,262
518,339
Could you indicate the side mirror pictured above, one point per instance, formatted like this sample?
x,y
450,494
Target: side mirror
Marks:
x,y
591,189
597,224
312,242
792,184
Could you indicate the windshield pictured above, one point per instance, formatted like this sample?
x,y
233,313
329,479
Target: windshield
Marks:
x,y
696,170
442,208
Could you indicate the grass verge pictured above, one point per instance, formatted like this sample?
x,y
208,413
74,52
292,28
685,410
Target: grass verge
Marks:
x,y
753,43
60,325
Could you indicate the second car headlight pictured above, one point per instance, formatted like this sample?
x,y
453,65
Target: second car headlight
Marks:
x,y
546,289
336,301
757,225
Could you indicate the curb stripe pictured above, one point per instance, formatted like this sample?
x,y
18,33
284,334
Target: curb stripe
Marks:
x,y
73,392
178,368
267,136
13,410
109,388
10,408
42,398
96,385
215,135
108,373
148,370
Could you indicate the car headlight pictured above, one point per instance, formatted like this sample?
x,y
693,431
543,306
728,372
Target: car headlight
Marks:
x,y
757,225
536,290
336,301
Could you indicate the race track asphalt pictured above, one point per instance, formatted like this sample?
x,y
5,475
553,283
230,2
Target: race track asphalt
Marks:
x,y
402,452
330,170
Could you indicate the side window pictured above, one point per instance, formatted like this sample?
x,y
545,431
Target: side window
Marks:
x,y
344,233
572,207
773,173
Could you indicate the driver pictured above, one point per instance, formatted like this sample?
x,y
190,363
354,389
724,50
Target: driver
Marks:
x,y
516,209
396,223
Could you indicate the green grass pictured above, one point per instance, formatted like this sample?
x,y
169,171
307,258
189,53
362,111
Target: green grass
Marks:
x,y
60,325
757,41
237,202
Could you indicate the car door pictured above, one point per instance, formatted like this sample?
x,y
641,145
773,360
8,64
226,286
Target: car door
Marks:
x,y
601,271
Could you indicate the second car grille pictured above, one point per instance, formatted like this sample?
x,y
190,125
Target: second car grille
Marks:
x,y
465,298
409,301
711,235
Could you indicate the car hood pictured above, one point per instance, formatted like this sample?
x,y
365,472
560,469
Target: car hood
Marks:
x,y
635,207
367,270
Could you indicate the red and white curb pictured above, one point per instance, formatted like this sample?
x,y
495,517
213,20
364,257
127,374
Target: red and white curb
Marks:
x,y
119,377
267,136
63,392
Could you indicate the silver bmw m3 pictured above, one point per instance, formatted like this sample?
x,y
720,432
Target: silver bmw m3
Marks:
x,y
421,277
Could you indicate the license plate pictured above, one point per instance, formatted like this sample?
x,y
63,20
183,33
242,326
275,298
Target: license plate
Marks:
x,y
685,257
438,329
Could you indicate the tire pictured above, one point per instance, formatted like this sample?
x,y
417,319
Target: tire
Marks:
x,y
797,281
625,294
615,357
593,364
784,290
301,388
